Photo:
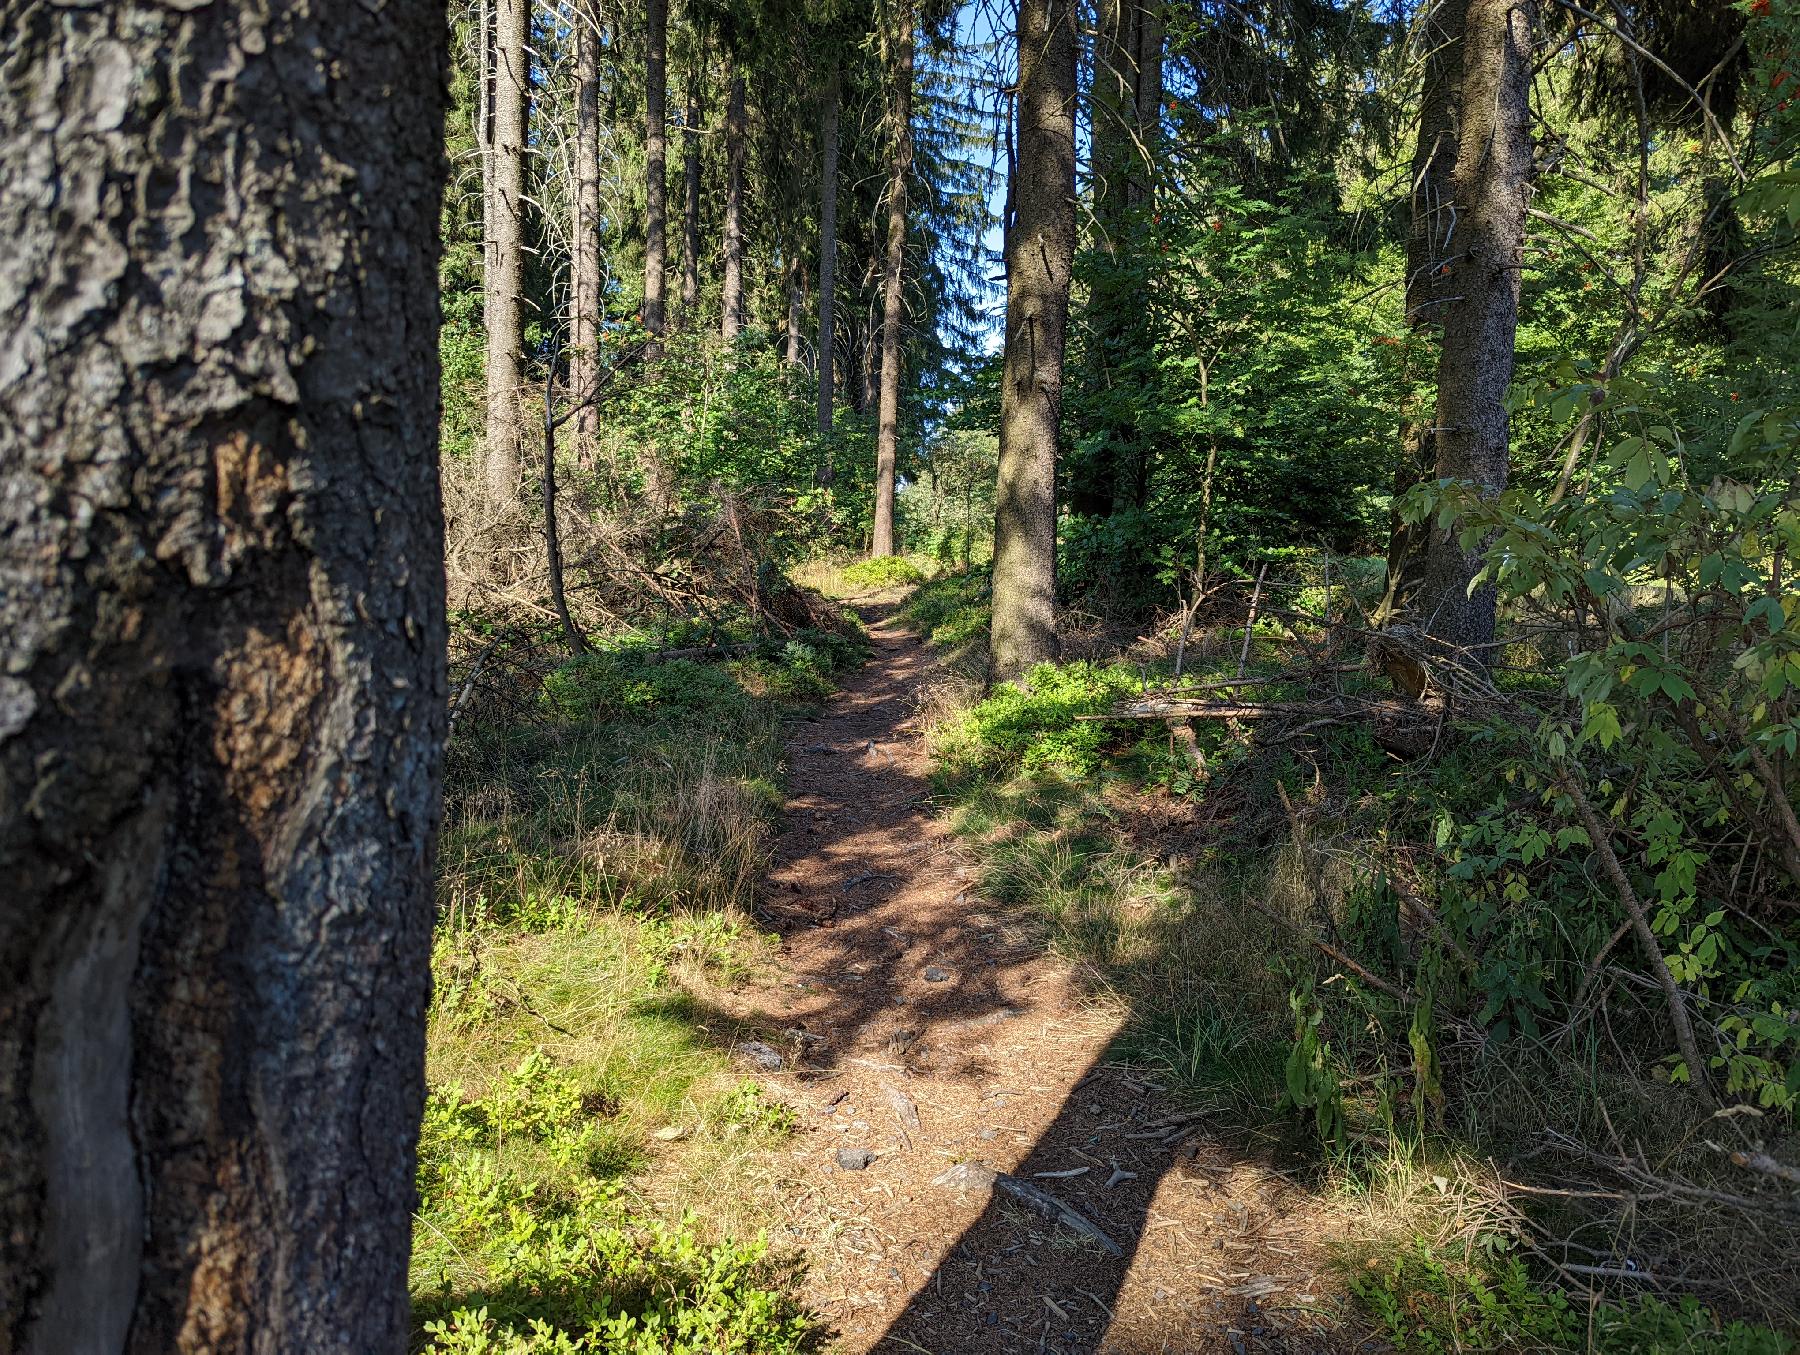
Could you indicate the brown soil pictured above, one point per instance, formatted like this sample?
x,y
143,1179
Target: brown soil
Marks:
x,y
901,989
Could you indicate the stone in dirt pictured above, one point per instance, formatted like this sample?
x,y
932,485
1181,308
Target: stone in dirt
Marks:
x,y
762,1055
933,974
904,1107
854,1159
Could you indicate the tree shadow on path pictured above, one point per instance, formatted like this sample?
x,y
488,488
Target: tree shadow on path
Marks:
x,y
908,995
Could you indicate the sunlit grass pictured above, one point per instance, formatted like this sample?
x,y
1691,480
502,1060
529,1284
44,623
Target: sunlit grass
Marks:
x,y
594,1170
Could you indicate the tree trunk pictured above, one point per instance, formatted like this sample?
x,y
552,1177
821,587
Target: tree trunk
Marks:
x,y
1491,188
796,299
222,592
585,283
1144,45
484,135
1126,99
690,206
828,190
871,372
1040,250
1434,157
656,141
1150,40
731,321
504,287
887,427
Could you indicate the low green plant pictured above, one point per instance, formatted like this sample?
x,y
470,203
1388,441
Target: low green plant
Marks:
x,y
588,1276
1670,737
1432,1302
884,571
1039,726
952,609
609,685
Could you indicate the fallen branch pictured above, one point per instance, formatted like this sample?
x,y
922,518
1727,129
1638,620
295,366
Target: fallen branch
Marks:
x,y
1762,1162
977,1175
1601,840
468,687
1332,952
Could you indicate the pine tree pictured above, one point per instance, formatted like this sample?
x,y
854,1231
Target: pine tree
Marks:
x,y
1040,252
887,435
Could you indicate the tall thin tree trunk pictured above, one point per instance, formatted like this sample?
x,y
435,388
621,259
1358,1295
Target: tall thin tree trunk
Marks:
x,y
656,141
887,427
690,205
1040,252
796,299
828,244
484,133
584,291
1150,39
1428,239
1491,189
1126,96
222,592
1144,43
504,287
731,321
871,371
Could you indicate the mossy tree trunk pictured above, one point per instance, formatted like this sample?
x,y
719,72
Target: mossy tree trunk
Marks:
x,y
1490,189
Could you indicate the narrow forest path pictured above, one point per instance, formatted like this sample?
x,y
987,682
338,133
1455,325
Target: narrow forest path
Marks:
x,y
924,1029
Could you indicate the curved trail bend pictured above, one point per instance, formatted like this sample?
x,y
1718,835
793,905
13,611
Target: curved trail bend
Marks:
x,y
929,1029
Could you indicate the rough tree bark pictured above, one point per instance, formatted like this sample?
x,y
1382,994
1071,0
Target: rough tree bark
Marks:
x,y
585,276
887,424
1490,188
828,191
222,697
1039,252
690,205
504,286
731,321
1428,238
656,141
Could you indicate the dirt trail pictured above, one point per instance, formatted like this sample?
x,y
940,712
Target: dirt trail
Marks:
x,y
903,992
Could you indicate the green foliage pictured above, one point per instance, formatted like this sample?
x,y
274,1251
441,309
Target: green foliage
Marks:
x,y
1679,700
1434,1303
1310,1079
749,1107
884,571
594,865
1263,407
1040,726
610,685
530,1238
586,1278
713,419
952,610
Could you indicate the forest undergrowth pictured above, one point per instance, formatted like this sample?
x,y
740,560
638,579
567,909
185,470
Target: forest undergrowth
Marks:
x,y
597,1167
1280,917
